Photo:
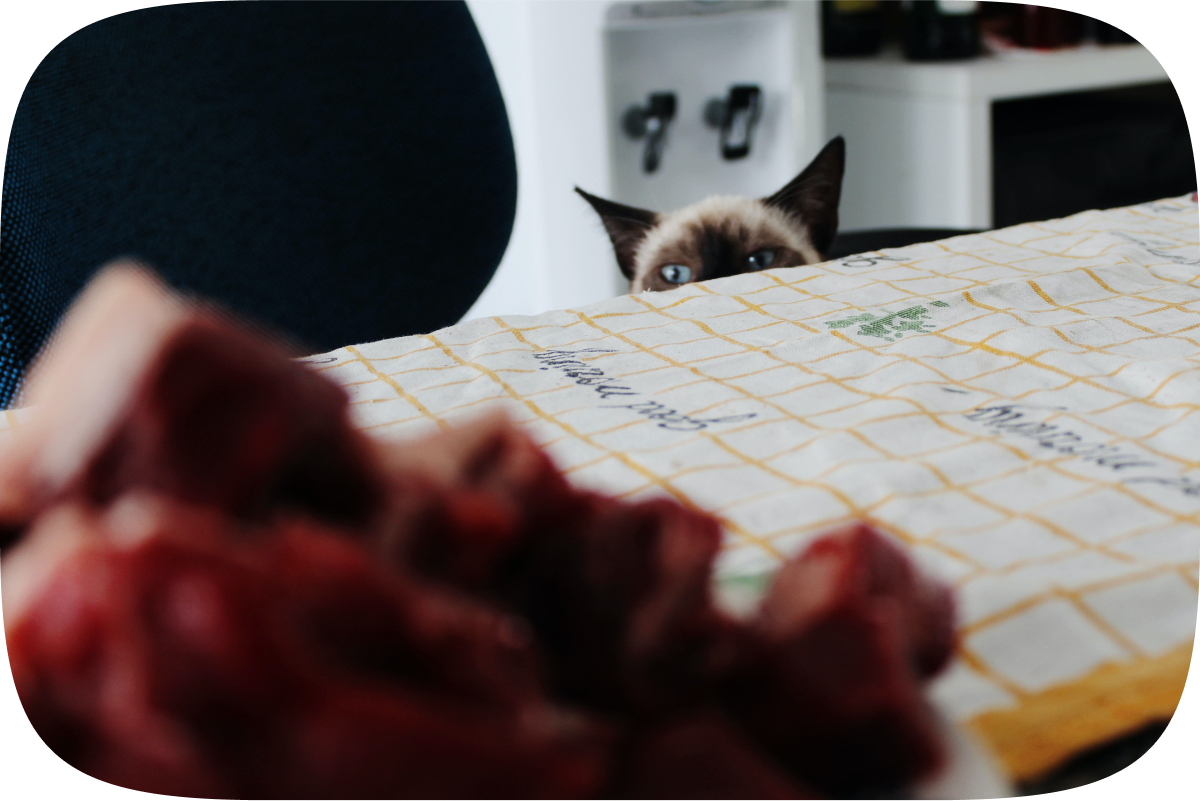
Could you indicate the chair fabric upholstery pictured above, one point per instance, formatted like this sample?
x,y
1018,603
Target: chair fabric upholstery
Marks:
x,y
339,171
851,243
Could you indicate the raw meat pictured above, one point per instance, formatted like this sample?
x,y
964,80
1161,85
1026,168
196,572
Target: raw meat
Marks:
x,y
215,585
830,681
703,755
145,392
200,660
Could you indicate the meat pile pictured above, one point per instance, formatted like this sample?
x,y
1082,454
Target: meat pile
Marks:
x,y
214,585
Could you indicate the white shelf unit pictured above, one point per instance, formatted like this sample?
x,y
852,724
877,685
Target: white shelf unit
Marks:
x,y
919,135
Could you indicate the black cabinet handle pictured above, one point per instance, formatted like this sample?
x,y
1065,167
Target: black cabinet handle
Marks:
x,y
650,121
736,116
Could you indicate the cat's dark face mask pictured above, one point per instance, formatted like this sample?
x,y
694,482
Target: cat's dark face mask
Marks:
x,y
723,236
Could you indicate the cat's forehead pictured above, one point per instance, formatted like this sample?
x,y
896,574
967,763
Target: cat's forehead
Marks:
x,y
728,215
744,223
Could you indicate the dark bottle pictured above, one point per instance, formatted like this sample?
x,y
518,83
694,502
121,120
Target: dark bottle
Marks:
x,y
851,27
1047,28
1107,32
940,30
999,21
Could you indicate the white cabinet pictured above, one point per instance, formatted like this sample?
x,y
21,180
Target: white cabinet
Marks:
x,y
696,52
919,136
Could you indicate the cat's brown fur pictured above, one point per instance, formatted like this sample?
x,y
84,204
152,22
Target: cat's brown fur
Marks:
x,y
725,235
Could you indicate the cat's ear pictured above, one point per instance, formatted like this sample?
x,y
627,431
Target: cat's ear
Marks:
x,y
812,196
626,227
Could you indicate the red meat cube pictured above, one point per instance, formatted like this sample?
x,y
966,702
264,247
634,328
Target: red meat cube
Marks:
x,y
617,594
829,681
361,616
703,755
621,602
186,404
466,499
858,565
225,420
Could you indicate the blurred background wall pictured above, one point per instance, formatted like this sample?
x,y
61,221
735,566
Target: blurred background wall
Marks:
x,y
549,61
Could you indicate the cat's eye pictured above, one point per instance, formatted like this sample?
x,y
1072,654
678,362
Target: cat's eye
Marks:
x,y
760,259
676,273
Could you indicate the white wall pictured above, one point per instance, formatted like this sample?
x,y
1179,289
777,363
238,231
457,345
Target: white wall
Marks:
x,y
549,63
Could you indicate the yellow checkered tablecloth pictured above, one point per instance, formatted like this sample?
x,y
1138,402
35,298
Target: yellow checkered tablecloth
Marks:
x,y
1018,407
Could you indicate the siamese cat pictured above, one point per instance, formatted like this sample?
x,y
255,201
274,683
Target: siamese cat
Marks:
x,y
725,235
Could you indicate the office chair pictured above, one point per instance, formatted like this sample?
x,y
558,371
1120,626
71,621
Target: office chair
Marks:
x,y
342,172
851,243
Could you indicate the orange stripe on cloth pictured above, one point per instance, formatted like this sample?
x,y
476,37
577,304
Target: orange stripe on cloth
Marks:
x,y
1048,728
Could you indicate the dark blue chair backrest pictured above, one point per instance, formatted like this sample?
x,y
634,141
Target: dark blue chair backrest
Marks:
x,y
339,171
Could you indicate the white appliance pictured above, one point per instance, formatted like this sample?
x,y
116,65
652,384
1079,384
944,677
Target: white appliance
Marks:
x,y
711,98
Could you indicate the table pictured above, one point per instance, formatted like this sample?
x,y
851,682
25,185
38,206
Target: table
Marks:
x,y
1017,408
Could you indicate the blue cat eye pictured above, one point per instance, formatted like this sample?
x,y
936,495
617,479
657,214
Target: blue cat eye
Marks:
x,y
760,259
676,273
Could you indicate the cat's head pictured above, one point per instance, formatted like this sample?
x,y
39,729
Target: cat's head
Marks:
x,y
724,235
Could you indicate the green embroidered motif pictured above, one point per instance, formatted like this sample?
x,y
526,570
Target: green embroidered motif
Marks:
x,y
742,594
890,326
